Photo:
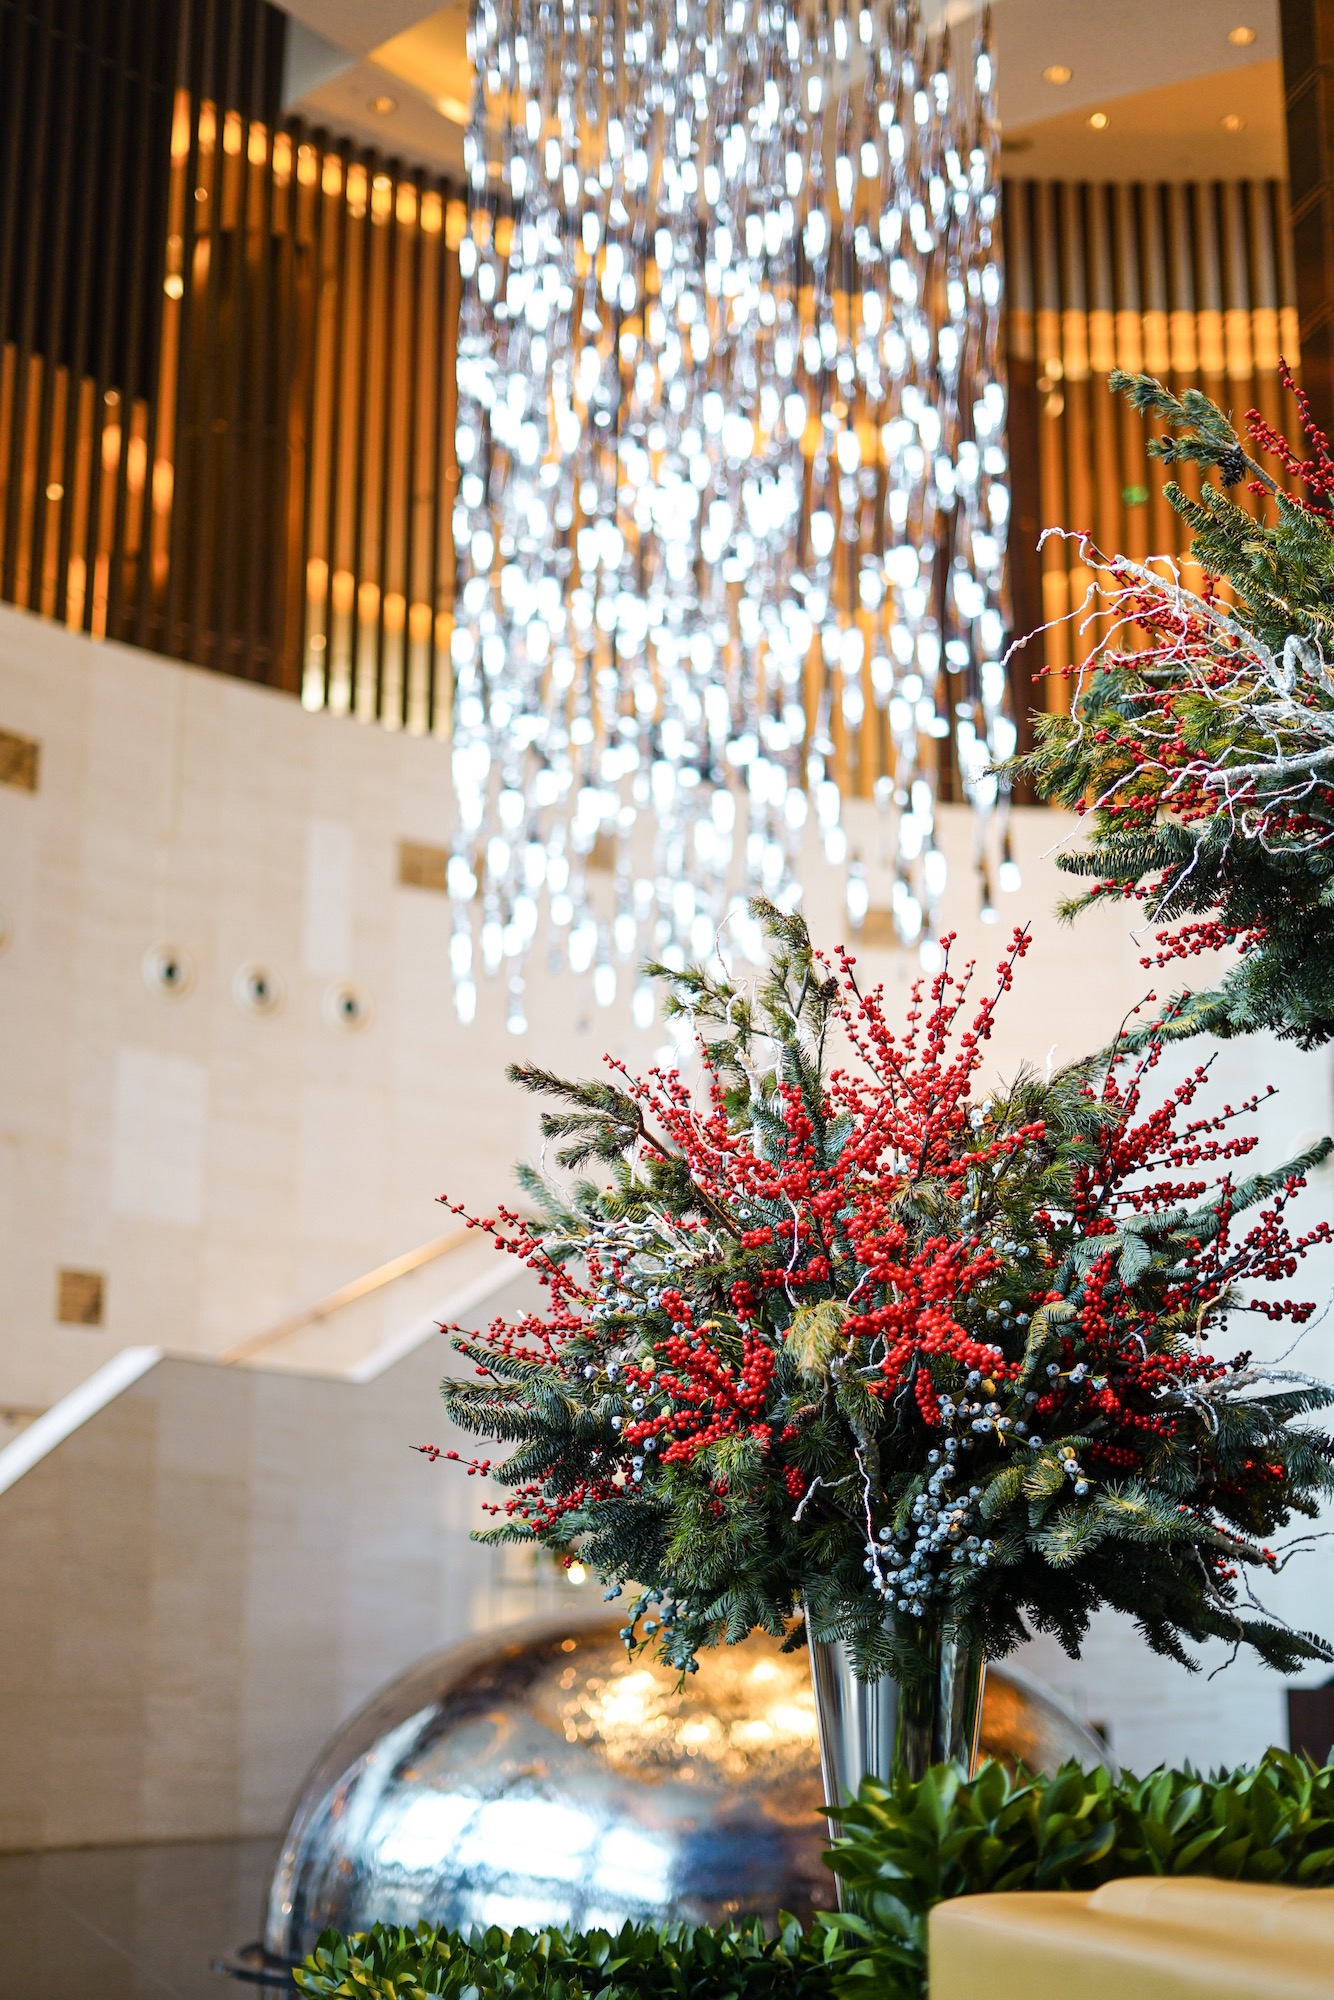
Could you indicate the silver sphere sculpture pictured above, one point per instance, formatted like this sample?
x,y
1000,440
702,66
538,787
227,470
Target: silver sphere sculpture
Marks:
x,y
539,1776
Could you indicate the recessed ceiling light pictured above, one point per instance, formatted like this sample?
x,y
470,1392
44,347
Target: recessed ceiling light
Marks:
x,y
1056,73
1098,120
1234,122
454,108
1241,38
382,106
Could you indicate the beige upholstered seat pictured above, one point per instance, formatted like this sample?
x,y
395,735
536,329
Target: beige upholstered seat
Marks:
x,y
1193,1939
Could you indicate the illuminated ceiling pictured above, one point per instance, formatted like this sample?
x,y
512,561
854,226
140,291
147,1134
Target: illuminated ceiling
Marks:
x,y
1167,79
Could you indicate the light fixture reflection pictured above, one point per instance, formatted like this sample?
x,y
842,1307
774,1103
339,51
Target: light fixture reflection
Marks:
x,y
634,1868
542,1839
426,1827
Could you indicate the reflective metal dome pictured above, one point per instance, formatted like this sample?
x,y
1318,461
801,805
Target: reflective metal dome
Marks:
x,y
538,1776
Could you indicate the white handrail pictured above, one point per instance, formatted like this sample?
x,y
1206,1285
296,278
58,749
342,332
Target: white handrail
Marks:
x,y
44,1433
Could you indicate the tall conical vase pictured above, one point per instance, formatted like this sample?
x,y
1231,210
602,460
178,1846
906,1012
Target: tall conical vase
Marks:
x,y
889,1729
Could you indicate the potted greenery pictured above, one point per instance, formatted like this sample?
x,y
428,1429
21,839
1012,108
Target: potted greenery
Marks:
x,y
1199,745
833,1337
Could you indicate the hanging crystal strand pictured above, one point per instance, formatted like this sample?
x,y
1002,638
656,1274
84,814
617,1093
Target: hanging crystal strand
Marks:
x,y
989,515
719,468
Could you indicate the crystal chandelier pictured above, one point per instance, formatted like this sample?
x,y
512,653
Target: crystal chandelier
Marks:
x,y
732,481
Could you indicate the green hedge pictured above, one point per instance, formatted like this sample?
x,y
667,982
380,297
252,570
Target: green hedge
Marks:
x,y
640,1962
907,1847
903,1849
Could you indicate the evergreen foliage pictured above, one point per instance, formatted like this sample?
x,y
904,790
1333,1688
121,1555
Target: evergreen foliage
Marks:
x,y
1201,738
906,1847
841,1339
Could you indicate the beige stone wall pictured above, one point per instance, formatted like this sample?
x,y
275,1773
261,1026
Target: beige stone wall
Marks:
x,y
223,1169
208,1575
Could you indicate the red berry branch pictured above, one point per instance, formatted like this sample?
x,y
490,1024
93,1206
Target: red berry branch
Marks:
x,y
842,1327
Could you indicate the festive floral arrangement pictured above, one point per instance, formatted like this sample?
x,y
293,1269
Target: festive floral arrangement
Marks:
x,y
833,1329
1200,742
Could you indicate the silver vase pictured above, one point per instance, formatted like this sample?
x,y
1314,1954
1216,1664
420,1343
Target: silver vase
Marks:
x,y
881,1729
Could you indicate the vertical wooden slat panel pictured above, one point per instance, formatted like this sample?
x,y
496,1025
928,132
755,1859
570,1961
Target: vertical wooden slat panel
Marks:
x,y
306,305
177,431
445,489
342,583
365,602
259,541
14,47
1108,510
1265,296
1185,281
1077,429
294,396
242,281
389,687
200,375
18,56
77,440
21,476
50,337
447,575
143,245
1055,504
1026,520
111,412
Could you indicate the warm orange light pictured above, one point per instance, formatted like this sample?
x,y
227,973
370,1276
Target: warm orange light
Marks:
x,y
454,109
383,106
1233,122
55,491
257,149
231,133
1241,38
1098,120
317,579
164,483
1056,73
432,214
173,285
395,611
405,206
180,126
342,590
332,182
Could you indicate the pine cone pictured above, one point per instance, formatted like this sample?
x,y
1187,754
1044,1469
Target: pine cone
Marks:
x,y
1232,466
